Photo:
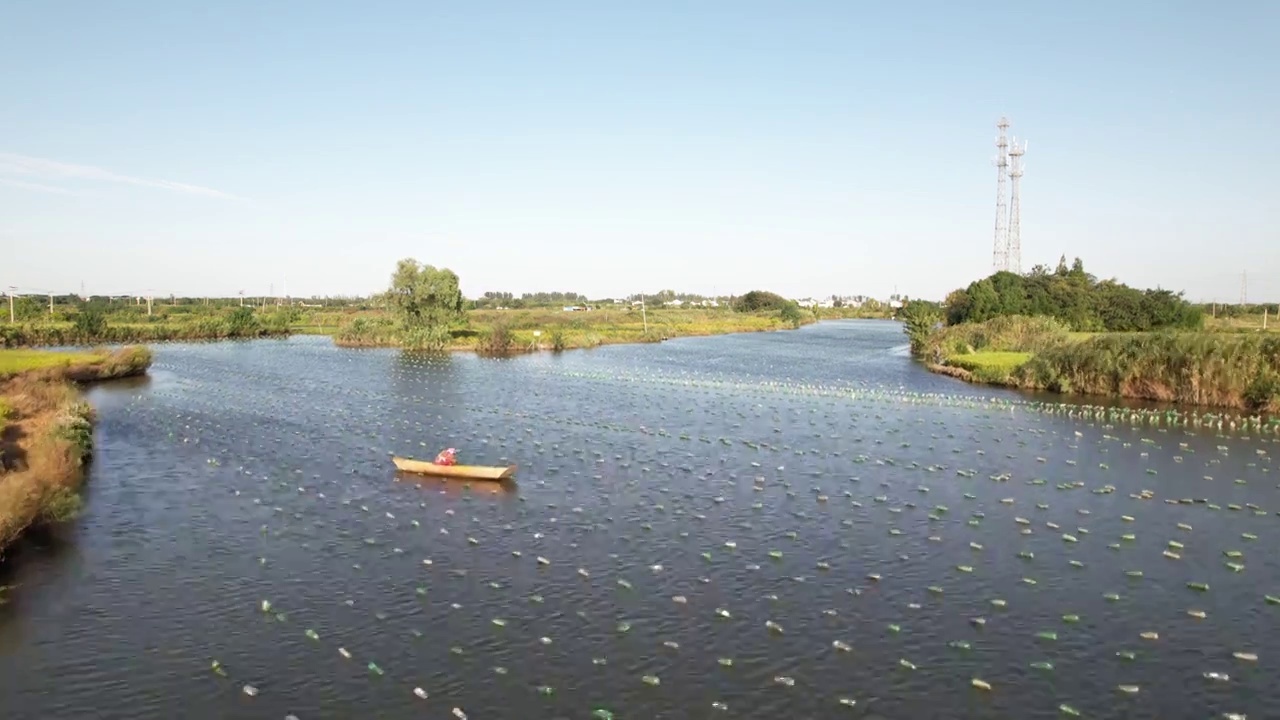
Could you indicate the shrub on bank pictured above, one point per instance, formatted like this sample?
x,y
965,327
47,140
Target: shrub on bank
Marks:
x,y
497,340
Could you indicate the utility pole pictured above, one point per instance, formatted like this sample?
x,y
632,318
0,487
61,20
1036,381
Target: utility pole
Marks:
x,y
50,304
149,294
643,316
1244,289
241,298
11,317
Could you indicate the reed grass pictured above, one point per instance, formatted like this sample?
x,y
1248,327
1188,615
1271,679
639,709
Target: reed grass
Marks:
x,y
1196,368
1206,368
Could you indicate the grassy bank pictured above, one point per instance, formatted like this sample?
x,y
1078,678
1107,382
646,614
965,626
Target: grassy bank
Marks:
x,y
46,431
509,331
1205,368
366,326
165,325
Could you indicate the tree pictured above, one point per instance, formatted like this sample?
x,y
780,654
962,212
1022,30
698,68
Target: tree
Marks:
x,y
790,313
424,297
758,300
919,320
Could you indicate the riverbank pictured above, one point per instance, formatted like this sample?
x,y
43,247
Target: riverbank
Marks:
x,y
1235,370
502,332
46,431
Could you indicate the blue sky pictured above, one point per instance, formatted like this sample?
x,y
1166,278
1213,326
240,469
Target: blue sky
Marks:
x,y
609,148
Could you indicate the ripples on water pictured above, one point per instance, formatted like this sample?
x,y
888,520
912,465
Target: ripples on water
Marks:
x,y
703,469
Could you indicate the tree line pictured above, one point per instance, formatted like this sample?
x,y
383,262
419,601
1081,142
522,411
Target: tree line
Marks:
x,y
1073,296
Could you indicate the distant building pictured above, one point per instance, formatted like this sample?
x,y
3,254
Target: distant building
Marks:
x,y
674,303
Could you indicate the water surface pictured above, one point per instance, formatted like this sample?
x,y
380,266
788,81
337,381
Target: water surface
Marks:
x,y
799,524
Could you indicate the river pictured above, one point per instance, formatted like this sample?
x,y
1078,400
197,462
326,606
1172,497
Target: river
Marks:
x,y
794,524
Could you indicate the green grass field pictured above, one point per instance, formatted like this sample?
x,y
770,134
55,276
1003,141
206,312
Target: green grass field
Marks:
x,y
13,362
989,361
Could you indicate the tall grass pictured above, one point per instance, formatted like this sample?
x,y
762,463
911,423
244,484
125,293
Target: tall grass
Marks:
x,y
1215,369
1219,369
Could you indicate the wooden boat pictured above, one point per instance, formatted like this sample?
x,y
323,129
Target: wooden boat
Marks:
x,y
470,472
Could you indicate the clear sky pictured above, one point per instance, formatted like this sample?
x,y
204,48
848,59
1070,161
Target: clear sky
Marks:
x,y
617,147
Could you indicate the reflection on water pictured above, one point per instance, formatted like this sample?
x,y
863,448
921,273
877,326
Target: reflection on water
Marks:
x,y
799,524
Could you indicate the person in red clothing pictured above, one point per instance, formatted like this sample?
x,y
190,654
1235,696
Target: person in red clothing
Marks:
x,y
447,457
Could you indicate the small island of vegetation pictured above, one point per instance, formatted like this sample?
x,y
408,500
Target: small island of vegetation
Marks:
x,y
1066,331
426,311
46,431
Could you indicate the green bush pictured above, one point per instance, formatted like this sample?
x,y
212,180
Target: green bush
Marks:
x,y
790,314
556,336
89,325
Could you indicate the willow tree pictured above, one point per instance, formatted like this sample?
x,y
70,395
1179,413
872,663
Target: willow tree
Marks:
x,y
426,300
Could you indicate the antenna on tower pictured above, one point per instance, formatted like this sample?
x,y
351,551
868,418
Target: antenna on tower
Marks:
x,y
1000,253
1014,253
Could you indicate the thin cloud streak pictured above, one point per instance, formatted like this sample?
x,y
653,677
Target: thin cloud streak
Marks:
x,y
35,186
14,164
